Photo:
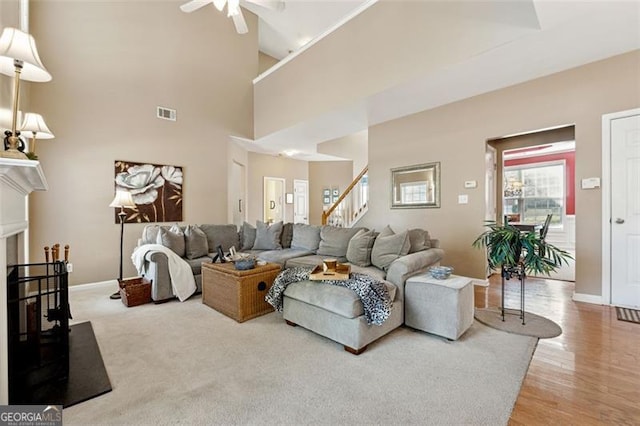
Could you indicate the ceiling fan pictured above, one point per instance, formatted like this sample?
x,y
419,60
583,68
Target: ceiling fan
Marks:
x,y
233,9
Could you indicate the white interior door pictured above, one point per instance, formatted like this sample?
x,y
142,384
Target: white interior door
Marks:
x,y
625,211
238,185
300,201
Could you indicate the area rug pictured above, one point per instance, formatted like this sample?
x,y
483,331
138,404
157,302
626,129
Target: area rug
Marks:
x,y
535,325
187,363
628,314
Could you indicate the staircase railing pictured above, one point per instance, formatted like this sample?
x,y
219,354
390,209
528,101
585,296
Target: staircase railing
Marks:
x,y
352,204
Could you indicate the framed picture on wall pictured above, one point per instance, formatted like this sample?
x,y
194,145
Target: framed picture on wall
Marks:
x,y
336,193
326,192
326,200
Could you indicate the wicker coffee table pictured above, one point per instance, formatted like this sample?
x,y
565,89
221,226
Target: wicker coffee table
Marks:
x,y
238,294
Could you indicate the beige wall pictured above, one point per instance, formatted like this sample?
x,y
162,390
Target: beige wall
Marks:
x,y
355,147
111,66
265,62
261,165
376,51
326,174
456,135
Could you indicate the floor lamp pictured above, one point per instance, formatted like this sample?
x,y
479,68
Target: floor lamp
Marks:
x,y
122,200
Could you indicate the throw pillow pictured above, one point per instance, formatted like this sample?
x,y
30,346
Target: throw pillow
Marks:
x,y
196,244
247,236
287,235
420,240
267,237
150,234
172,238
334,240
359,249
388,247
306,237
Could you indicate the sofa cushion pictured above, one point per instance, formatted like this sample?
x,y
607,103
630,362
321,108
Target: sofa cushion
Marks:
x,y
196,264
172,238
281,256
332,298
359,248
388,247
267,236
224,235
334,240
419,239
287,235
196,244
311,260
305,237
247,236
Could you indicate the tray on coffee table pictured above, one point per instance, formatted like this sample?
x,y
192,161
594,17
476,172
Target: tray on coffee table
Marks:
x,y
341,273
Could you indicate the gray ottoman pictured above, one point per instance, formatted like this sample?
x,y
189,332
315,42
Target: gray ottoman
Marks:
x,y
441,307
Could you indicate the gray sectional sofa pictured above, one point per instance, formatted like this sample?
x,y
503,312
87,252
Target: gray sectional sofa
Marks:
x,y
331,311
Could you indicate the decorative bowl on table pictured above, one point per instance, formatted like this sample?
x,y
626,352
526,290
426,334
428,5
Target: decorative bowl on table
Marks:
x,y
440,272
243,262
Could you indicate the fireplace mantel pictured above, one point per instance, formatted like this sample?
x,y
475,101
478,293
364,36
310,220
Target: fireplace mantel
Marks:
x,y
18,178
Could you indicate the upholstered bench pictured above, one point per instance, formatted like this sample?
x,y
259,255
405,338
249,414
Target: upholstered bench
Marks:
x,y
441,307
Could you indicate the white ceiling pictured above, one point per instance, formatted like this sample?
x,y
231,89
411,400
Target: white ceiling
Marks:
x,y
569,34
284,31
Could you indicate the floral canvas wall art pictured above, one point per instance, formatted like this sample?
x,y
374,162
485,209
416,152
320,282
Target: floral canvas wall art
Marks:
x,y
156,190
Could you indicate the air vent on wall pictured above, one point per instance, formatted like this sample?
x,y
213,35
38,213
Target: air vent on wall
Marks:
x,y
166,113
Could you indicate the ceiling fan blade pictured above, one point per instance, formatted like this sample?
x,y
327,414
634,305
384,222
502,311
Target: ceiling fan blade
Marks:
x,y
239,22
219,4
269,4
194,5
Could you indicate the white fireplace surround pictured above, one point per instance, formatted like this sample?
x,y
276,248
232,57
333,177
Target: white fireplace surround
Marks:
x,y
18,178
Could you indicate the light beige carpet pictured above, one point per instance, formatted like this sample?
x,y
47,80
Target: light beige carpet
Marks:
x,y
184,363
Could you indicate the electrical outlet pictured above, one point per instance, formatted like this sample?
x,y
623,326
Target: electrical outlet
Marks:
x,y
69,267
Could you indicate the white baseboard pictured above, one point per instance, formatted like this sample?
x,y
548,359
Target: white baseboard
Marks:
x,y
113,282
481,283
587,298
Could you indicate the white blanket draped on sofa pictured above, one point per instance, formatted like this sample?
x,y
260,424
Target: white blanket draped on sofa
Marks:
x,y
182,281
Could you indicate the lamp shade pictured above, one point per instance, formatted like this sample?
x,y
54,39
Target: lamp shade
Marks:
x,y
34,126
123,199
18,45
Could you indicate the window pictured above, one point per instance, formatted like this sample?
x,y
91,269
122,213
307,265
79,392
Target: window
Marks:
x,y
532,191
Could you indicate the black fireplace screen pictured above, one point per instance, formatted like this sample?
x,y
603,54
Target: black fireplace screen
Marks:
x,y
38,327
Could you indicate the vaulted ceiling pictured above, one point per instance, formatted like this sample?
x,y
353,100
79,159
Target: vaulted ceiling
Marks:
x,y
537,38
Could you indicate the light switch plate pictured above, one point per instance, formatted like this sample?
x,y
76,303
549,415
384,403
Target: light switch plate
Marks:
x,y
463,199
470,183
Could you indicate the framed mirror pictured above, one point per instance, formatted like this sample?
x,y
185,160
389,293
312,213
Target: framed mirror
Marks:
x,y
416,186
274,199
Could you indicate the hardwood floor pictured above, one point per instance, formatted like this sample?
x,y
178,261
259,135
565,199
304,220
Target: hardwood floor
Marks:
x,y
590,374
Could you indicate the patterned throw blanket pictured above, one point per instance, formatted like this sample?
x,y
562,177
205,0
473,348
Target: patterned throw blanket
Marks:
x,y
373,294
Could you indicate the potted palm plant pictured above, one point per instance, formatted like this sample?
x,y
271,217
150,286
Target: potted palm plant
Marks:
x,y
510,248
518,253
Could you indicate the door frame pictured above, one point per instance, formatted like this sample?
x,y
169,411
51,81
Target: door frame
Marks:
x,y
606,198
